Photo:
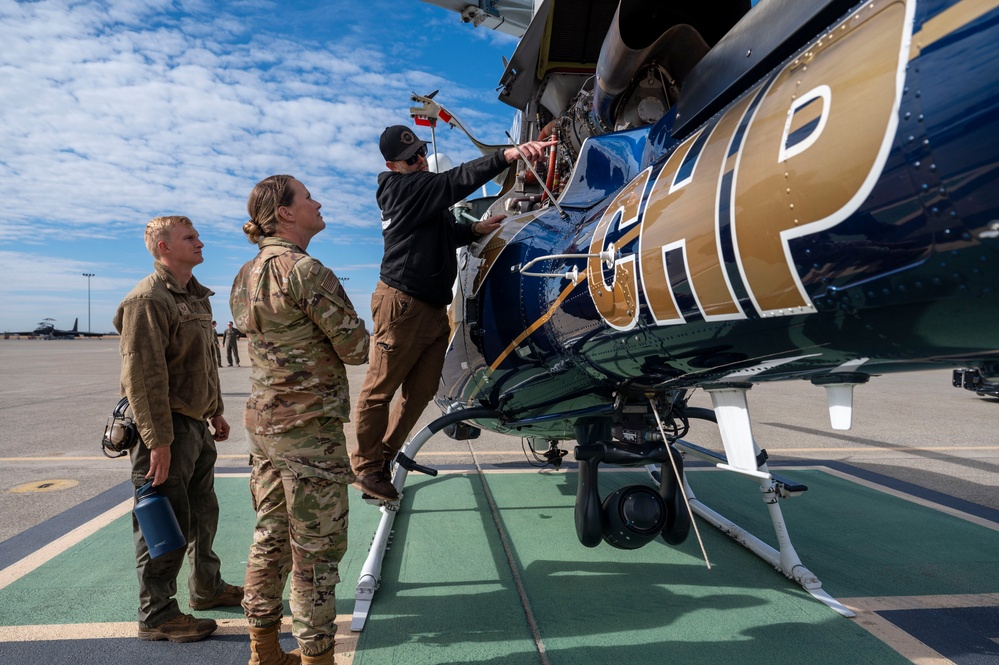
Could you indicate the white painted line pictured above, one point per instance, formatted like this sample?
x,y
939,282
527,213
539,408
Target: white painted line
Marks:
x,y
19,569
29,563
953,512
896,638
937,602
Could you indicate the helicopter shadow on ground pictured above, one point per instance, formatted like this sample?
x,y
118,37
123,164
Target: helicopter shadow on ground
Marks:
x,y
573,591
835,641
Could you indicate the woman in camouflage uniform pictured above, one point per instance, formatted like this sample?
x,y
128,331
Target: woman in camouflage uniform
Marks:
x,y
301,328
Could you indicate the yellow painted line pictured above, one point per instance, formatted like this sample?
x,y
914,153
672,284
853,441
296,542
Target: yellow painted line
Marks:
x,y
948,22
940,602
497,453
471,471
56,458
899,640
15,571
770,449
881,449
43,486
53,458
346,641
902,642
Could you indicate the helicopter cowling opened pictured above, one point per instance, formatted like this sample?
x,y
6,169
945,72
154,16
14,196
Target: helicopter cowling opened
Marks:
x,y
799,190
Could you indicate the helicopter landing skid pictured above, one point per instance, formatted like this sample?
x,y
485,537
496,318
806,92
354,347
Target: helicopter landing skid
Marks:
x,y
371,571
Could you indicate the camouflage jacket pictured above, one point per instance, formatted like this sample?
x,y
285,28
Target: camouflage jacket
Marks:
x,y
301,328
167,361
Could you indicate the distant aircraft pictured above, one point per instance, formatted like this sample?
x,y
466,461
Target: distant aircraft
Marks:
x,y
804,190
47,330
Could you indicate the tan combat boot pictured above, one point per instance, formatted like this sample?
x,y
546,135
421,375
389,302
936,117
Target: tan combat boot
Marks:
x,y
325,658
265,649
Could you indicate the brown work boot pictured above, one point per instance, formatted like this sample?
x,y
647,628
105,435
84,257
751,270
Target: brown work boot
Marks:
x,y
181,628
377,485
325,658
265,647
229,596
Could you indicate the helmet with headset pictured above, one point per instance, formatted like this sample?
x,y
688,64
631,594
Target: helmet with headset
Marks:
x,y
121,432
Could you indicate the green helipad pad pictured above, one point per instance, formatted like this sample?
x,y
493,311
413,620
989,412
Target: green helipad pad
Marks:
x,y
449,594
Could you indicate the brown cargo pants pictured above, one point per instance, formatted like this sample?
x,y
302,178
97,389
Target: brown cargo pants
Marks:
x,y
407,352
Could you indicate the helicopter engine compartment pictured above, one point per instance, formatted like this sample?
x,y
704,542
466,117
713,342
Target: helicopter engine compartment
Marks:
x,y
634,78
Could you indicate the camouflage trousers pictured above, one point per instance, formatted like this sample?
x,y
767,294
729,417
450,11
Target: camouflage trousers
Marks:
x,y
299,490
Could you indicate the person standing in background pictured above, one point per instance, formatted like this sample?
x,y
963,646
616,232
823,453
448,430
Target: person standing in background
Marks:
x,y
230,338
216,346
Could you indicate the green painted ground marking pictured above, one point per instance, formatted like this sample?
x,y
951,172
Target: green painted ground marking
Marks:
x,y
448,596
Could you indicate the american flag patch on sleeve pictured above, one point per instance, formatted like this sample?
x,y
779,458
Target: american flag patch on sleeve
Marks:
x,y
331,283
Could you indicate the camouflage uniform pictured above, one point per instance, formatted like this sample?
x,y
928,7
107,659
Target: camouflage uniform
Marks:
x,y
302,328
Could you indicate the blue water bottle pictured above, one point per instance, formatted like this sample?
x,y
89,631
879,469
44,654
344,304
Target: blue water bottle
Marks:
x,y
157,521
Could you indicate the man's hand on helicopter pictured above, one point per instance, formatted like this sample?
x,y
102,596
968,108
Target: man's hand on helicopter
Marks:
x,y
532,151
487,225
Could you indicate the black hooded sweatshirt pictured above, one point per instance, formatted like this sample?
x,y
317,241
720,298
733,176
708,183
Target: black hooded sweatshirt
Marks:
x,y
421,235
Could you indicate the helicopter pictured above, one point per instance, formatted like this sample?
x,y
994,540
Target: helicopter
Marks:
x,y
795,190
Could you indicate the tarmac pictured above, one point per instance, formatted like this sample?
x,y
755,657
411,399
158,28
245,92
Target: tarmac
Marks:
x,y
900,522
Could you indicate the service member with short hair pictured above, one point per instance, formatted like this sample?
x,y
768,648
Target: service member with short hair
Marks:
x,y
301,328
169,375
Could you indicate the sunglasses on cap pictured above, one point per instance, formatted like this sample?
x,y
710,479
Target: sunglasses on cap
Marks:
x,y
421,152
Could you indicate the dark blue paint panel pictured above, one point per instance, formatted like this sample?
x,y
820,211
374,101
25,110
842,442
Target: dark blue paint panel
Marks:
x,y
803,132
605,164
28,542
964,635
690,159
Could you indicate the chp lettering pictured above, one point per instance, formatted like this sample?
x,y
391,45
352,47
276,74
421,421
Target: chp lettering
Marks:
x,y
796,156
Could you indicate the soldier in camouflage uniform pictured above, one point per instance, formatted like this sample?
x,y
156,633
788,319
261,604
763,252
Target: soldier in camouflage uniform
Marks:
x,y
302,328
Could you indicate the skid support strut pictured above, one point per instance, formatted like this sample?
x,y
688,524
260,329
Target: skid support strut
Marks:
x,y
371,571
744,456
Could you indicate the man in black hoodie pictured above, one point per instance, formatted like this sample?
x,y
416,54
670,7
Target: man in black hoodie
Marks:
x,y
409,305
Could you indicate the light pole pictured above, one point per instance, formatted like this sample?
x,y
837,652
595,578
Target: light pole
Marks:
x,y
88,275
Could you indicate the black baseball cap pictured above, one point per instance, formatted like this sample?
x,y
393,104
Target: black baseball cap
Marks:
x,y
398,142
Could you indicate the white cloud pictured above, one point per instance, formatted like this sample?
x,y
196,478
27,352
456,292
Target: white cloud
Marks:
x,y
112,112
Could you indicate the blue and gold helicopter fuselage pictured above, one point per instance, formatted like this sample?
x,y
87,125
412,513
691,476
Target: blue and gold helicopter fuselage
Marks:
x,y
836,218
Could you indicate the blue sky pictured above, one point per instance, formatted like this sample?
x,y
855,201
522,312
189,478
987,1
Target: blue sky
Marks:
x,y
112,113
